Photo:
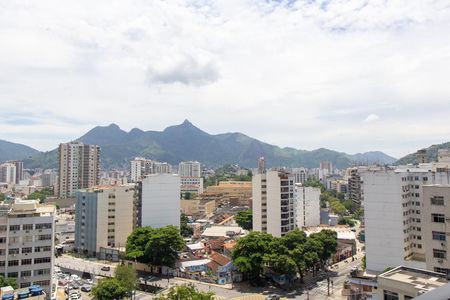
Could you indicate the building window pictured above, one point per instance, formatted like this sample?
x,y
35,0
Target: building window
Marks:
x,y
13,251
42,260
26,261
439,236
438,218
27,226
25,284
13,274
437,200
44,226
388,295
25,273
419,246
41,272
442,254
14,227
441,270
44,237
13,263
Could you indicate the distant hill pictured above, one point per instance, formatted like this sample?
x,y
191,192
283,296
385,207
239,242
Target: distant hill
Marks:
x,y
431,153
13,151
187,142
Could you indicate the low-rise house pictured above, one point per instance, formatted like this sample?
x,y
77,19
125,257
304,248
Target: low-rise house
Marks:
x,y
193,269
215,232
197,249
222,269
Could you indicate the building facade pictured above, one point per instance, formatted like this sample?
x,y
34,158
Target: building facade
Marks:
x,y
159,200
79,167
394,215
307,203
140,167
27,234
189,169
273,202
103,218
8,173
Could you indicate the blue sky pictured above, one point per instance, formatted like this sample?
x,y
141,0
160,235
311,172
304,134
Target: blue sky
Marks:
x,y
349,75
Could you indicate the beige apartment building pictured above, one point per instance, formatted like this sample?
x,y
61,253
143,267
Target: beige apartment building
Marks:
x,y
104,218
79,167
273,203
27,234
198,208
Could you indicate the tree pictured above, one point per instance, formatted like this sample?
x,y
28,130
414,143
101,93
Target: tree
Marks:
x,y
186,292
41,195
108,289
2,197
364,263
346,221
127,278
279,260
314,183
189,196
245,219
249,253
328,239
163,246
293,239
8,282
137,243
185,229
337,207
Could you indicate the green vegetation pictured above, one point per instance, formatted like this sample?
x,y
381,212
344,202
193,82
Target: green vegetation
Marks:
x,y
258,253
314,183
364,263
127,278
41,195
186,292
346,221
188,196
109,288
185,230
156,246
226,173
8,282
2,197
245,219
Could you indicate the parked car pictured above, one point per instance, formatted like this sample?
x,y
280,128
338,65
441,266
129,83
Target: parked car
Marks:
x,y
105,268
86,288
273,297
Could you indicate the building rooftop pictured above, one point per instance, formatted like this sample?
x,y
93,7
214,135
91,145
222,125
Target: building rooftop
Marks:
x,y
219,231
343,233
420,279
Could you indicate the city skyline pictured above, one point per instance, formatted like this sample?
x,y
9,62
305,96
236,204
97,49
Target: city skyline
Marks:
x,y
349,75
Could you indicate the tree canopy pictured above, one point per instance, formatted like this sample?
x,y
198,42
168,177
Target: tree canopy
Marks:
x,y
245,219
8,282
41,195
156,246
294,253
186,292
109,288
185,230
127,277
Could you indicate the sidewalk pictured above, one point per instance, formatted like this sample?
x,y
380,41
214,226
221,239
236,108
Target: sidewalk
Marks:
x,y
223,286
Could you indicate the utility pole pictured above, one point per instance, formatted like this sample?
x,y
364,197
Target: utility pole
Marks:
x,y
328,282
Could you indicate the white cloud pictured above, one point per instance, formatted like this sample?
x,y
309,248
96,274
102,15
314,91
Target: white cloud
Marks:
x,y
371,118
292,73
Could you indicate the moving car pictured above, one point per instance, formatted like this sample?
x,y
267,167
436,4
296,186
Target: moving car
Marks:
x,y
105,268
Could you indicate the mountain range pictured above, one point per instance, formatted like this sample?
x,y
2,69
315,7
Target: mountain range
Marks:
x,y
431,154
187,142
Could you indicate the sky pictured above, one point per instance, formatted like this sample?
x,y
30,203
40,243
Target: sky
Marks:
x,y
349,75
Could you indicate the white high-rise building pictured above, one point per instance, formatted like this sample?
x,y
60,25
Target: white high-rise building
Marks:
x,y
159,203
273,202
189,169
141,167
79,167
307,203
300,175
27,234
393,214
8,173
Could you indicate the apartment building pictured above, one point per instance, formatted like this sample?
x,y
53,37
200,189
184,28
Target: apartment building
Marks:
x,y
354,186
394,215
8,173
103,218
140,167
49,178
273,202
191,185
27,234
300,175
436,217
307,206
79,167
158,202
189,169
